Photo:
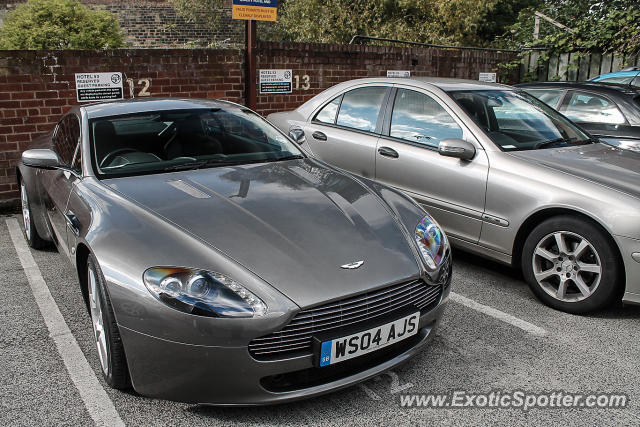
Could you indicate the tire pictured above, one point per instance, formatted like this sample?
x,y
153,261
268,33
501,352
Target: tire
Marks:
x,y
30,232
111,353
572,265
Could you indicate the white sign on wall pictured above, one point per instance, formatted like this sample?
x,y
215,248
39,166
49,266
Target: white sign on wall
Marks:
x,y
399,73
275,81
98,86
488,77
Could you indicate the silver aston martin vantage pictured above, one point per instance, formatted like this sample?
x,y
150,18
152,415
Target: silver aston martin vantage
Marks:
x,y
220,264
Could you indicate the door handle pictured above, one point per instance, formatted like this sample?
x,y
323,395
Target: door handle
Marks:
x,y
319,136
388,152
73,222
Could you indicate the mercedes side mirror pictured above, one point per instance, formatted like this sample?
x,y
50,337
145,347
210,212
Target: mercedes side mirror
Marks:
x,y
297,135
458,148
42,158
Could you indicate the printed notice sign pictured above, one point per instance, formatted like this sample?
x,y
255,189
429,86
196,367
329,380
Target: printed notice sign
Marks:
x,y
98,86
275,81
399,73
257,10
488,77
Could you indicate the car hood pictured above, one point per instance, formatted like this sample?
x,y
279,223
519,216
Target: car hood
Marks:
x,y
601,163
292,223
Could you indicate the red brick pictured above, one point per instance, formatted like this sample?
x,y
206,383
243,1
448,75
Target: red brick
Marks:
x,y
11,121
34,86
24,128
55,102
10,87
22,95
31,103
17,137
47,94
8,146
9,104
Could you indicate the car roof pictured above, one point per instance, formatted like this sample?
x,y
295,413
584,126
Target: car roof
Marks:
x,y
622,73
141,105
440,82
613,88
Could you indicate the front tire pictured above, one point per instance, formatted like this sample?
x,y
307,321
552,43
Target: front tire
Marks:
x,y
571,265
30,232
105,330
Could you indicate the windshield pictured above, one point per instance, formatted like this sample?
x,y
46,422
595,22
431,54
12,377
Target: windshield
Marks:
x,y
515,120
162,141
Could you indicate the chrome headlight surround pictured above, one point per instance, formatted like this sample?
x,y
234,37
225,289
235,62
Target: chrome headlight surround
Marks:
x,y
203,293
432,242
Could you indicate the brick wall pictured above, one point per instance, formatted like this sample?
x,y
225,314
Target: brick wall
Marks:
x,y
329,64
36,87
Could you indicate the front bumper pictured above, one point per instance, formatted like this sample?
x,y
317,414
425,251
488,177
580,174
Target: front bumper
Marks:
x,y
230,376
628,247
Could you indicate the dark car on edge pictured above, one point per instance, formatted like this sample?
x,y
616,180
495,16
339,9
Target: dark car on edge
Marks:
x,y
608,111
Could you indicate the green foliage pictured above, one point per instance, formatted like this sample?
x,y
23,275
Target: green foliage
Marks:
x,y
462,22
59,24
470,22
600,25
203,11
604,26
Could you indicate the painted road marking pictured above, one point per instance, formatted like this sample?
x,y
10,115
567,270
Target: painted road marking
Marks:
x,y
95,399
500,315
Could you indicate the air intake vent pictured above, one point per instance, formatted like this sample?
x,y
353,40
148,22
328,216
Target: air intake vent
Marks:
x,y
296,337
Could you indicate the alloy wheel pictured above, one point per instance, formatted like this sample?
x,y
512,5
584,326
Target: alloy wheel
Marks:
x,y
567,266
98,321
26,214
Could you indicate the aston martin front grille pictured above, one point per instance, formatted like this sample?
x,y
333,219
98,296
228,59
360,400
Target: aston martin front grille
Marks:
x,y
296,337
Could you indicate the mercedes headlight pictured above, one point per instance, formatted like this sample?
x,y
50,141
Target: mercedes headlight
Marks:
x,y
431,241
203,293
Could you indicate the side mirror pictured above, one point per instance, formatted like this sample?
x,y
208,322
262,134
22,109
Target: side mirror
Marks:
x,y
41,158
458,148
297,135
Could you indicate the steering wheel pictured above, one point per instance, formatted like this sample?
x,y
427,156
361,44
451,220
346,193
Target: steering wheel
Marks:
x,y
112,155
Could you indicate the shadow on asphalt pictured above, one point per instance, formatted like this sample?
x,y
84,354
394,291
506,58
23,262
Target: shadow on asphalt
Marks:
x,y
485,264
617,311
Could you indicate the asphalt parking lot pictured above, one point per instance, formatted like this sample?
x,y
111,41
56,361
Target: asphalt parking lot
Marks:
x,y
495,336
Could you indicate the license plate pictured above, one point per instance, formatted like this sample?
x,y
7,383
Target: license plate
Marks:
x,y
350,346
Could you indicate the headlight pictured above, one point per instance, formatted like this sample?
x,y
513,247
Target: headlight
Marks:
x,y
202,293
431,241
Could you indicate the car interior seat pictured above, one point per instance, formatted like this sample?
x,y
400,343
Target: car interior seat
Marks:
x,y
104,139
190,140
476,111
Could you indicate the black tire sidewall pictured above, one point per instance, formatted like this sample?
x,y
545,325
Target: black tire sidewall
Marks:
x,y
33,240
608,289
118,376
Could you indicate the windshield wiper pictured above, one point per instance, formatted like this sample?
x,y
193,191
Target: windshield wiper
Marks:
x,y
546,144
185,166
567,141
224,162
292,157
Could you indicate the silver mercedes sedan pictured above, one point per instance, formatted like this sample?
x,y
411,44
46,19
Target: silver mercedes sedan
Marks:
x,y
506,176
222,265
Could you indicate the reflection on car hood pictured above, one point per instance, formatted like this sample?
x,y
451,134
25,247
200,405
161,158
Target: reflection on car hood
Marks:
x,y
604,164
293,223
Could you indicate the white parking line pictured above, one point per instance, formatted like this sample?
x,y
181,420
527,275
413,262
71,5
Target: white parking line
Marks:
x,y
93,395
500,315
